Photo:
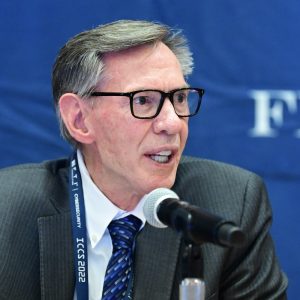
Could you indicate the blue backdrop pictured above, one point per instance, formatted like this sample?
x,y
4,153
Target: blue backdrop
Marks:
x,y
246,57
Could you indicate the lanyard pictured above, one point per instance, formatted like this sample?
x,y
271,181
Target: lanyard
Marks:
x,y
79,230
79,233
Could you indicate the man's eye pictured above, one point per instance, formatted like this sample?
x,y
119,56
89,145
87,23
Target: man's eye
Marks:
x,y
180,98
141,100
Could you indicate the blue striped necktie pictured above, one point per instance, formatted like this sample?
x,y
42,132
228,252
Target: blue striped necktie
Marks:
x,y
119,270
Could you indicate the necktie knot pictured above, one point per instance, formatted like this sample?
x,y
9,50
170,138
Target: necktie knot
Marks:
x,y
123,231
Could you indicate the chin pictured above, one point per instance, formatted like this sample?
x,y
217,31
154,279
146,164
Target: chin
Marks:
x,y
165,183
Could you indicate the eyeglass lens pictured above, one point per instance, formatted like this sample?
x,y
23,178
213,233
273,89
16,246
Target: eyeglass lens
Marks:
x,y
147,103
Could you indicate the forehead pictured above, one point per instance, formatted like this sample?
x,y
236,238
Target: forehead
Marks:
x,y
142,65
140,53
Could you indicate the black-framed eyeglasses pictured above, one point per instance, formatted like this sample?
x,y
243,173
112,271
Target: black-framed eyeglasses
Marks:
x,y
147,104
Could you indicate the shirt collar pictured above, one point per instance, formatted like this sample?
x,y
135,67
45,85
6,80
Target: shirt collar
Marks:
x,y
99,210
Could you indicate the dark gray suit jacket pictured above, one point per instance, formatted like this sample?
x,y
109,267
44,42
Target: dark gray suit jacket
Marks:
x,y
36,258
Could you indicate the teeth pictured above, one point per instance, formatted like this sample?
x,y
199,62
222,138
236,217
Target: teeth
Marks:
x,y
161,157
166,153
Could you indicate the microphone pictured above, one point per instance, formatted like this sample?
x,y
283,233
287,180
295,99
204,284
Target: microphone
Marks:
x,y
162,208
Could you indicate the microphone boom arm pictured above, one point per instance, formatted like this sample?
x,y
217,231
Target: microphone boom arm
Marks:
x,y
198,225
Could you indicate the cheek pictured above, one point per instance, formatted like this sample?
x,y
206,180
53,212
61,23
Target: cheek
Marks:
x,y
108,134
115,133
103,128
184,133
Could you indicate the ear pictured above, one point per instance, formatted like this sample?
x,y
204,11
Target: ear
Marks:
x,y
73,111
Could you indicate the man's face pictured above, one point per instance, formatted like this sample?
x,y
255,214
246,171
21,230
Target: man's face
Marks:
x,y
129,157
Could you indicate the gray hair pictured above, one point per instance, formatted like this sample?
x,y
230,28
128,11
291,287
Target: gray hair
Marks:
x,y
79,64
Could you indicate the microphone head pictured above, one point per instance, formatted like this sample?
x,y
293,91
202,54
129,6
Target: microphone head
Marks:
x,y
152,201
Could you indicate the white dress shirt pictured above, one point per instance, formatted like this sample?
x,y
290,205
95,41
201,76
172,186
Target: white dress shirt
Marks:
x,y
100,211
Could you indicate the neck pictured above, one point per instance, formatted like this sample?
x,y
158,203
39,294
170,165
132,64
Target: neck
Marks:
x,y
125,199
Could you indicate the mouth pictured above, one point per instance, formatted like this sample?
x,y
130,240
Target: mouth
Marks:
x,y
162,157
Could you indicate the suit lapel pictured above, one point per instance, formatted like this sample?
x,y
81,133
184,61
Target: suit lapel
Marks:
x,y
56,257
155,263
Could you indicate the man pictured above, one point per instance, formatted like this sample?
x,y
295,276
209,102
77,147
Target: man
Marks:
x,y
123,101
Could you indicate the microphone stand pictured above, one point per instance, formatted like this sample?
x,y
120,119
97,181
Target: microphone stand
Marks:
x,y
192,287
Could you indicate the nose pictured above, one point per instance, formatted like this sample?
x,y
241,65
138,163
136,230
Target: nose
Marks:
x,y
167,120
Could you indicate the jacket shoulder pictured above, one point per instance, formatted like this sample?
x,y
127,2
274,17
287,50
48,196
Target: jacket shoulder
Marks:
x,y
49,166
216,186
213,169
33,183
